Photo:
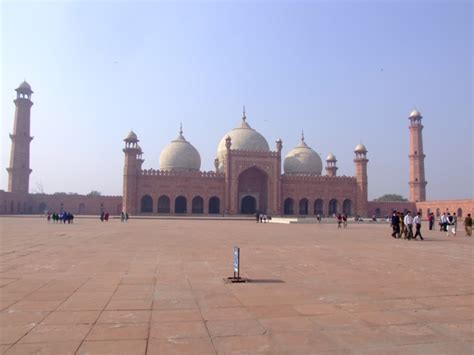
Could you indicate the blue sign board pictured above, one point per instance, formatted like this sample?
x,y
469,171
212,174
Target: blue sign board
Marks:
x,y
236,260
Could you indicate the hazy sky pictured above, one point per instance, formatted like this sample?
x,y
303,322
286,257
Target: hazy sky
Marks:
x,y
345,72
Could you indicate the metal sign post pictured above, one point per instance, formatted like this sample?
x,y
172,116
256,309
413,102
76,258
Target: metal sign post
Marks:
x,y
236,277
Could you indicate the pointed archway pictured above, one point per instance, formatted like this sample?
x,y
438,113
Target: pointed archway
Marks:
x,y
253,183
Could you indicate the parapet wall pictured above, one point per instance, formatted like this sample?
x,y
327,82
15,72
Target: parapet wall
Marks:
x,y
11,203
460,207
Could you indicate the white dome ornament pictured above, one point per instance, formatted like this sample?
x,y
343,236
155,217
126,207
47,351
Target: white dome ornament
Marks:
x,y
180,155
302,160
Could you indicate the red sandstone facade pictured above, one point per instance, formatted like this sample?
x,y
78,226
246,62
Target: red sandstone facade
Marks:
x,y
250,181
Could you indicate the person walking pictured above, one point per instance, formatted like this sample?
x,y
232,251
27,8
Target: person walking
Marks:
x,y
431,220
444,222
417,222
403,227
455,221
339,220
450,227
395,223
126,216
468,225
409,225
344,221
257,216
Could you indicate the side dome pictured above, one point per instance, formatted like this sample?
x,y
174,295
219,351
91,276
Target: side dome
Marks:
x,y
180,155
242,137
302,160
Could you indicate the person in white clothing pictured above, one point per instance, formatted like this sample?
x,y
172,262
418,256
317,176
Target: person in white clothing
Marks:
x,y
450,225
417,222
409,225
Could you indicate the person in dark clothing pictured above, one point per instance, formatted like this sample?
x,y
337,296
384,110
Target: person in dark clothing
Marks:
x,y
395,222
257,217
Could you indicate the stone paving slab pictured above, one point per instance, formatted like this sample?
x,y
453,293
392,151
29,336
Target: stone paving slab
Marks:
x,y
157,286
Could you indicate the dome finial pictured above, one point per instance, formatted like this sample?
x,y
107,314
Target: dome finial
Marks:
x,y
181,128
244,117
302,135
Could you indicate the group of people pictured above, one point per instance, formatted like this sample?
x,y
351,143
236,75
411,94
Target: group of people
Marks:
x,y
104,216
123,217
341,220
402,224
62,217
262,218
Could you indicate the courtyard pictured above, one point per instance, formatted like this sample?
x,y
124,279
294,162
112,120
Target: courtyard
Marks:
x,y
156,286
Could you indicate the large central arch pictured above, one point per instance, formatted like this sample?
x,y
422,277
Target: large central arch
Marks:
x,y
253,182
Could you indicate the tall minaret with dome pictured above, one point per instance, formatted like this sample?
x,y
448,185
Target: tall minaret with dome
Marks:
x,y
417,159
19,170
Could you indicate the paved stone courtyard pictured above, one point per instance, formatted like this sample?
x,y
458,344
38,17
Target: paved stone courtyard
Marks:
x,y
156,287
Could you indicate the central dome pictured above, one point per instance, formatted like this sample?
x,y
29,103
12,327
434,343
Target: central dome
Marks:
x,y
180,155
242,137
302,160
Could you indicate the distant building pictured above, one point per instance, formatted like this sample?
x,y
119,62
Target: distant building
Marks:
x,y
248,178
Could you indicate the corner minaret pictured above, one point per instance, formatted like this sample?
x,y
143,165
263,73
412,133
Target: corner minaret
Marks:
x,y
331,168
19,170
417,159
132,166
361,179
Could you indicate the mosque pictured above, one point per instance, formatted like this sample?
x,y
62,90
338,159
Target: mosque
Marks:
x,y
248,177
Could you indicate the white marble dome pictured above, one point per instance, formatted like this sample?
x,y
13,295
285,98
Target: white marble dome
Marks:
x,y
180,155
242,137
302,160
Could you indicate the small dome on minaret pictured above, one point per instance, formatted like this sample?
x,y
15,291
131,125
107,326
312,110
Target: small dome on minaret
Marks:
x,y
360,148
415,114
131,138
24,87
331,157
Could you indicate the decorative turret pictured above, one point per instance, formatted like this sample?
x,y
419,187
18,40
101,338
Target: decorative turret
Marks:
x,y
361,179
331,168
417,159
19,170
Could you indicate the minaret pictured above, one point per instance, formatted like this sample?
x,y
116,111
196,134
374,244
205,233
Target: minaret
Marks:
x,y
417,159
130,173
331,168
361,179
279,147
19,170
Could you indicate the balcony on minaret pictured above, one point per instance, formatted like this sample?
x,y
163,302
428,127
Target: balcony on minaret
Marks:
x,y
24,91
415,118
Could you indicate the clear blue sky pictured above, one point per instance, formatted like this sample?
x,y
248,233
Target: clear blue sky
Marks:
x,y
345,72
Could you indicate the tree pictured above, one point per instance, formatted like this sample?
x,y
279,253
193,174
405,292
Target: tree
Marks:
x,y
391,198
94,193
